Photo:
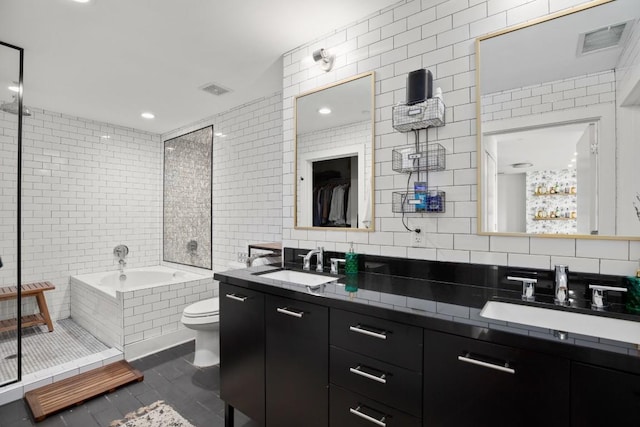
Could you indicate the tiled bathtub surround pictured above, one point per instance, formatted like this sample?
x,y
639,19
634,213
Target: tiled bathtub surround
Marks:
x,y
187,198
139,321
437,35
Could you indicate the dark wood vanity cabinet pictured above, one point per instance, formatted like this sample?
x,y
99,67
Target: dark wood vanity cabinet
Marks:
x,y
468,382
297,363
286,362
242,350
602,397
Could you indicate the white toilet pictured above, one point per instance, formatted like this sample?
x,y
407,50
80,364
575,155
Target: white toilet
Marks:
x,y
202,317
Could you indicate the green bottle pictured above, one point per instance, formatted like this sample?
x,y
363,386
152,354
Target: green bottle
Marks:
x,y
633,293
351,261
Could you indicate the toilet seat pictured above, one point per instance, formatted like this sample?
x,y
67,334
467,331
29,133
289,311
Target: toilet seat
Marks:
x,y
205,308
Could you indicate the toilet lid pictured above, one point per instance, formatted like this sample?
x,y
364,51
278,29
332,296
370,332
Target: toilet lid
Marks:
x,y
207,307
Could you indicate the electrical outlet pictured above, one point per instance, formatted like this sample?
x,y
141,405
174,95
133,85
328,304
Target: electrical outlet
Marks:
x,y
417,239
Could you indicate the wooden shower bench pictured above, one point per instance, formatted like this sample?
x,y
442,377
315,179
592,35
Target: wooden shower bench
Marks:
x,y
28,290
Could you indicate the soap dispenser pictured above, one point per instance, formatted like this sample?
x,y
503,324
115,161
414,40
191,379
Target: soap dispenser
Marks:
x,y
633,293
351,261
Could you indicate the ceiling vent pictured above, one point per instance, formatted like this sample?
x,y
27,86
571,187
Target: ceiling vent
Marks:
x,y
215,89
603,38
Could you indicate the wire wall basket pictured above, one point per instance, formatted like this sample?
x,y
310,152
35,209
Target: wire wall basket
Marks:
x,y
431,201
429,158
418,116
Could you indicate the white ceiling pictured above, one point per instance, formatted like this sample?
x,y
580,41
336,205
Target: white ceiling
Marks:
x,y
553,148
349,102
553,41
110,60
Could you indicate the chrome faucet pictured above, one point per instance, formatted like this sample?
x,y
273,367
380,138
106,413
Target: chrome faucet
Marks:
x,y
319,255
561,285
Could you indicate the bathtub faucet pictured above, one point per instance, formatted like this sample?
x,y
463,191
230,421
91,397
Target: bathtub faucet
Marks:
x,y
120,252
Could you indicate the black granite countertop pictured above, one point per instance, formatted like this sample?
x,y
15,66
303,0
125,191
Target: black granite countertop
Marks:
x,y
445,297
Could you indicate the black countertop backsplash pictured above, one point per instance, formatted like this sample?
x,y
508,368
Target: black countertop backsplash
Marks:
x,y
480,282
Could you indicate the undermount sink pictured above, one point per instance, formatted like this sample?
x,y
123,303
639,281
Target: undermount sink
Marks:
x,y
299,277
561,320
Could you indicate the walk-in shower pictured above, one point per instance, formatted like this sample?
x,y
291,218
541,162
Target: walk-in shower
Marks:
x,y
11,113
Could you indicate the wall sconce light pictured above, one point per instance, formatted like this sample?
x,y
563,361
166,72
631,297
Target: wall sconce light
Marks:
x,y
324,58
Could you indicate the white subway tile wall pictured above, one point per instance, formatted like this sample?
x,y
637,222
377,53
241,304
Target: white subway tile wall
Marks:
x,y
87,187
439,35
247,180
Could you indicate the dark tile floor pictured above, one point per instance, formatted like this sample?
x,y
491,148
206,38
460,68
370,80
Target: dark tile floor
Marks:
x,y
168,375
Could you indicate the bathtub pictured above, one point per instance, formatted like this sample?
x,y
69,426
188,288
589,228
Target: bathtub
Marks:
x,y
141,314
137,278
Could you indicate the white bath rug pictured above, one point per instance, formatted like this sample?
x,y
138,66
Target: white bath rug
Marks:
x,y
158,414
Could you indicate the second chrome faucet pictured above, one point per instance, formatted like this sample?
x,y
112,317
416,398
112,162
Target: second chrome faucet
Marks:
x,y
320,257
561,294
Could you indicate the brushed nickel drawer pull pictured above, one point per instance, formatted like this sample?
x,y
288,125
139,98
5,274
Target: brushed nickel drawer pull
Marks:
x,y
359,329
362,415
467,359
236,298
297,314
358,371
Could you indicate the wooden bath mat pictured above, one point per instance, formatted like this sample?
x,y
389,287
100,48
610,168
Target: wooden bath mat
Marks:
x,y
62,394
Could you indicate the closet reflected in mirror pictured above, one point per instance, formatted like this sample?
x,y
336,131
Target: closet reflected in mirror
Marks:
x,y
334,156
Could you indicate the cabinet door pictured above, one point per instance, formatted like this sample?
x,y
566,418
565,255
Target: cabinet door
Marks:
x,y
297,355
474,383
242,342
603,397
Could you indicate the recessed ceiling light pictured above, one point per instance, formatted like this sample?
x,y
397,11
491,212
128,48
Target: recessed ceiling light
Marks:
x,y
82,1
570,165
218,134
14,88
324,110
105,136
148,115
573,160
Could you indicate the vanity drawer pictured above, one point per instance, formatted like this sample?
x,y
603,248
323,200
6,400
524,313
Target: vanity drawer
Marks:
x,y
350,409
389,341
389,384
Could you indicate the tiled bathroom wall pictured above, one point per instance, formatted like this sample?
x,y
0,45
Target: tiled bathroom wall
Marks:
x,y
587,90
438,35
87,187
187,199
247,176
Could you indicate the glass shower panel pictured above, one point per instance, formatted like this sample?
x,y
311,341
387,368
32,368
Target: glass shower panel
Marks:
x,y
10,127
